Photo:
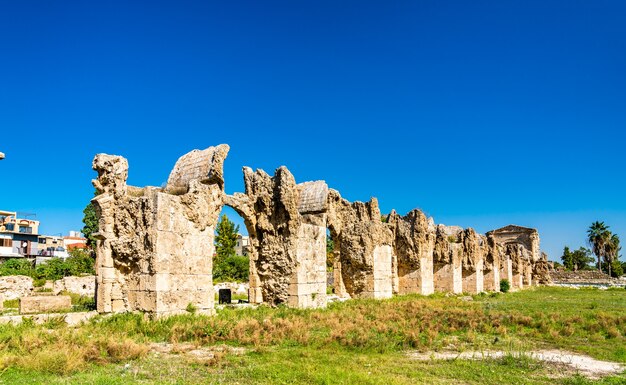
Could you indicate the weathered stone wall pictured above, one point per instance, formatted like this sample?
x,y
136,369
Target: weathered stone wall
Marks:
x,y
155,246
154,249
286,223
447,259
414,244
472,260
492,267
365,247
520,248
15,286
85,286
45,303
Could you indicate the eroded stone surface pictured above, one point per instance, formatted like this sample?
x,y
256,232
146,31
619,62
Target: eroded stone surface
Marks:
x,y
154,249
155,246
45,303
205,166
365,246
15,286
85,286
414,244
286,223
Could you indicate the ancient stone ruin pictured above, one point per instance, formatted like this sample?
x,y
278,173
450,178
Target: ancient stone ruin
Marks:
x,y
155,245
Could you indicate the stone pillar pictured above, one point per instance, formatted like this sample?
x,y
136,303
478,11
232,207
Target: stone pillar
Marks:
x,y
426,284
307,287
395,279
491,278
414,242
517,281
382,275
183,258
340,288
155,246
506,269
528,275
255,294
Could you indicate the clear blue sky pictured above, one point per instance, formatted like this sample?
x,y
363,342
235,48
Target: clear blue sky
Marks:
x,y
481,113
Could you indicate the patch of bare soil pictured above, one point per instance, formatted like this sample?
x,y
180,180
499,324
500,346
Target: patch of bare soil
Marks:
x,y
572,362
194,352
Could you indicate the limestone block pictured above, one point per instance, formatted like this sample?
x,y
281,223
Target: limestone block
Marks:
x,y
382,274
473,281
45,304
205,165
313,197
85,286
15,286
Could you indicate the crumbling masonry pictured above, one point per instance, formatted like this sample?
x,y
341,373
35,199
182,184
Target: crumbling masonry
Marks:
x,y
155,245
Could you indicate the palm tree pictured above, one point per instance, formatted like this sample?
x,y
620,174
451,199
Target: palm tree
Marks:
x,y
598,235
611,250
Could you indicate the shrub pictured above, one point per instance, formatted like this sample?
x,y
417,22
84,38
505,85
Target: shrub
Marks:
x,y
191,308
505,285
235,268
80,262
17,267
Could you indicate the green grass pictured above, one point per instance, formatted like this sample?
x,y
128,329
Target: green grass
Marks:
x,y
12,303
354,342
298,365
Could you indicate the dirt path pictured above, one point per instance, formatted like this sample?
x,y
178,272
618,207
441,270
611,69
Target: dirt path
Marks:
x,y
585,365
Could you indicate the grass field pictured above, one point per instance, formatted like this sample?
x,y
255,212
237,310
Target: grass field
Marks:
x,y
355,342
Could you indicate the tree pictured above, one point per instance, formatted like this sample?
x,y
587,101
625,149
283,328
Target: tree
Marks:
x,y
581,258
227,266
566,258
81,262
578,259
617,268
90,219
226,238
611,254
598,235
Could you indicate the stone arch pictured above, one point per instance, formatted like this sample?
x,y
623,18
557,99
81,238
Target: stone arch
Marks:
x,y
238,203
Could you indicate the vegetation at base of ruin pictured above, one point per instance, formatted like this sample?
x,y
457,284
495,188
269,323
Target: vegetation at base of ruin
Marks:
x,y
505,285
358,341
81,302
80,262
191,308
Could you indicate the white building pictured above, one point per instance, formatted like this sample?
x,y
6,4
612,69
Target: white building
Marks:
x,y
242,247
